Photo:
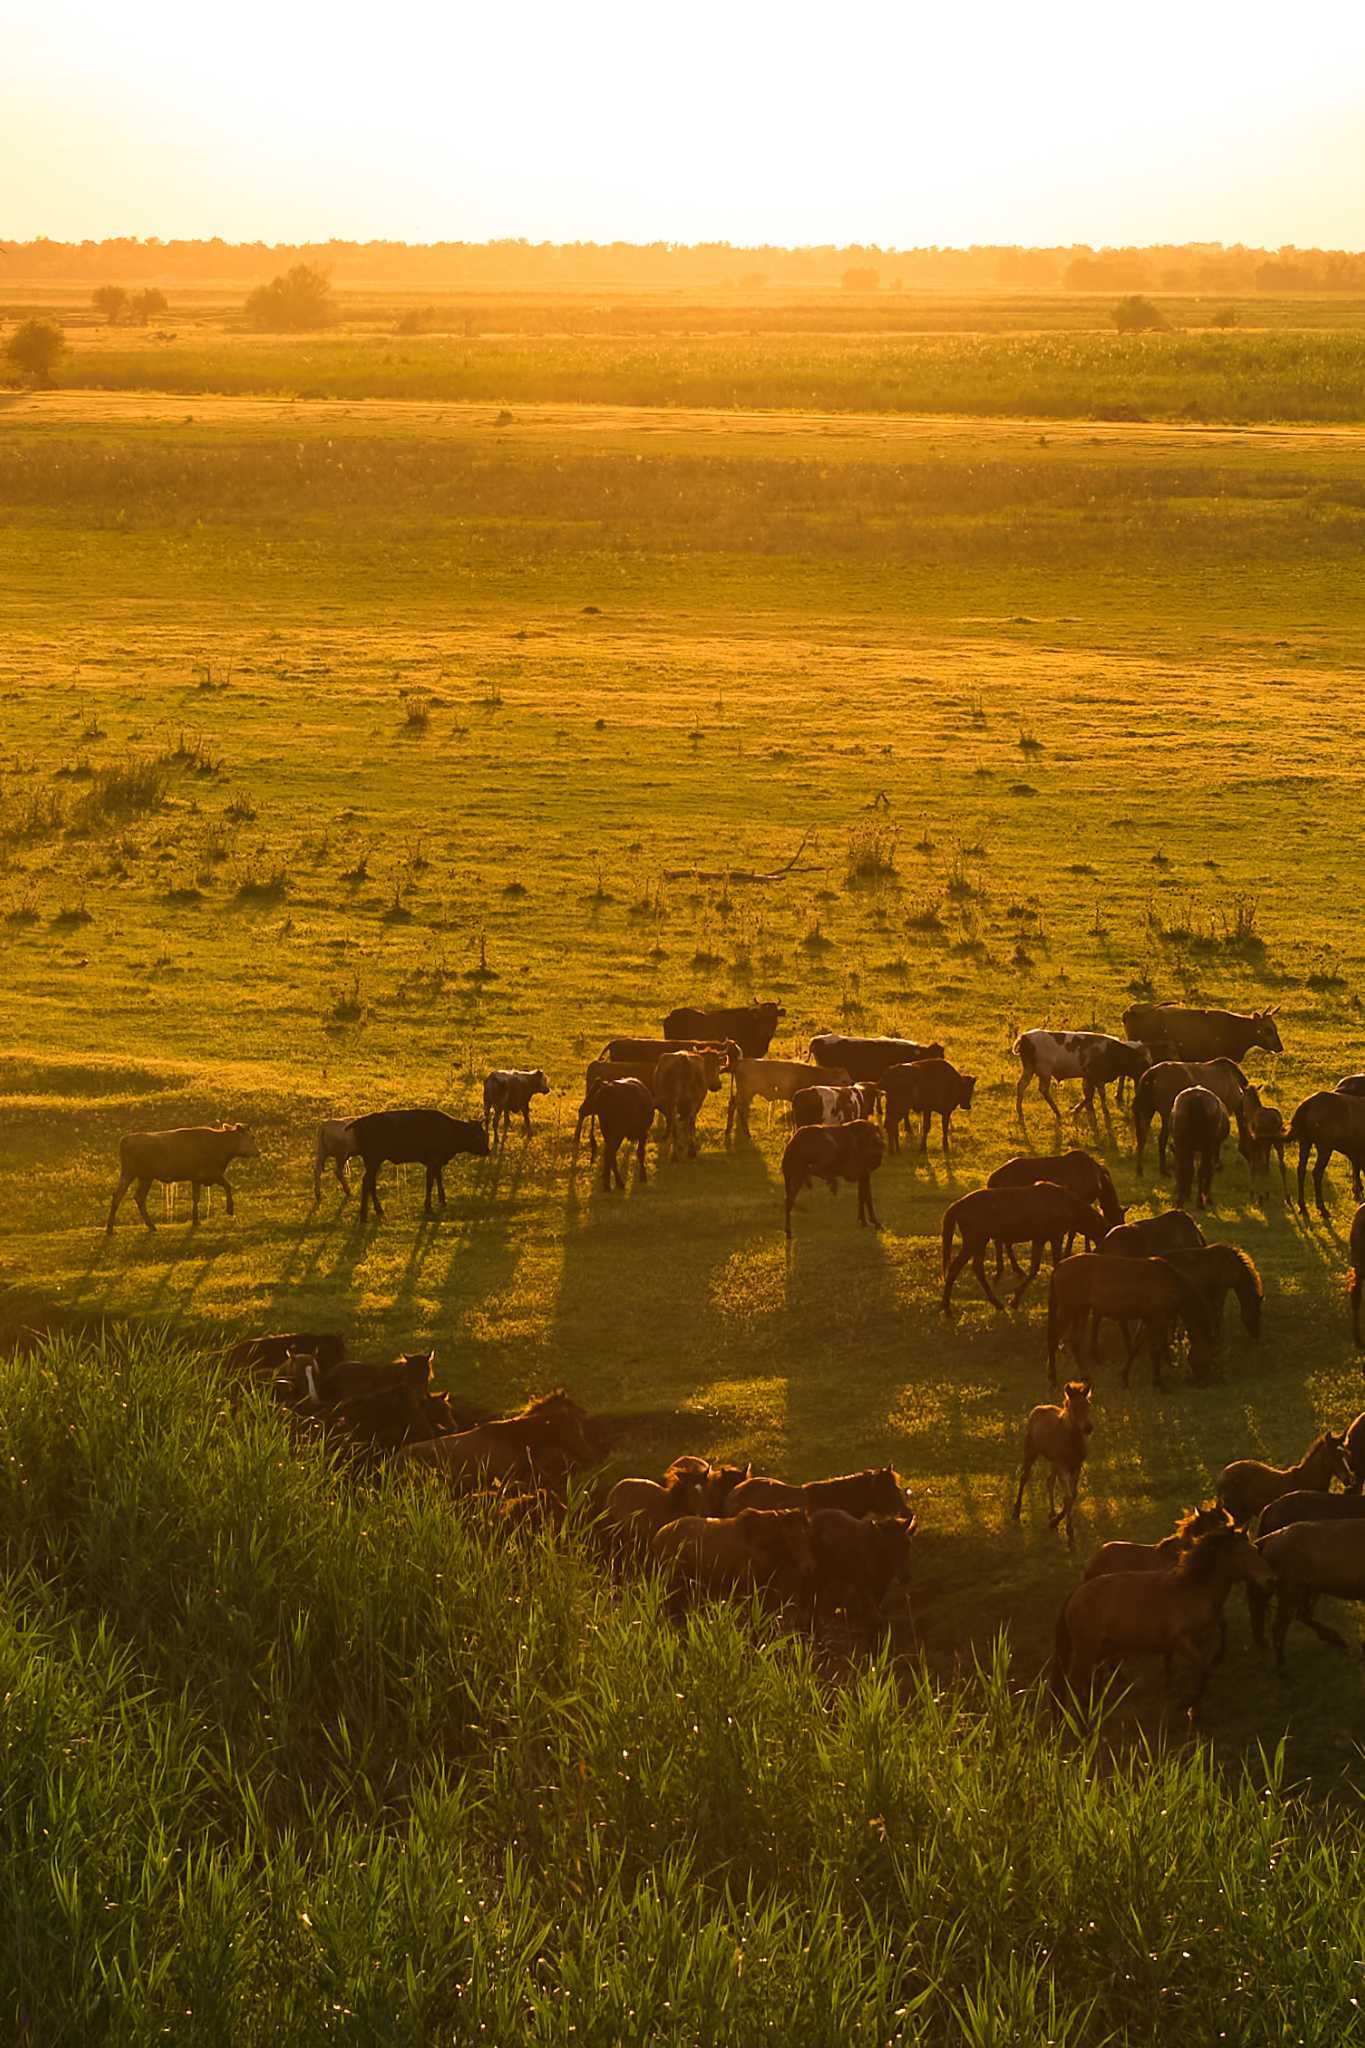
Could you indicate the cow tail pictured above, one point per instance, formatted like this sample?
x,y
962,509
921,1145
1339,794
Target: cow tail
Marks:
x,y
1023,1050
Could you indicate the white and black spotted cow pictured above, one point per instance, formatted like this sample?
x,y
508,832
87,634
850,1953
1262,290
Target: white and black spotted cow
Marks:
x,y
821,1104
1090,1057
507,1091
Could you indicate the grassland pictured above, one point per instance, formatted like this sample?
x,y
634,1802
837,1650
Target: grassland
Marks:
x,y
430,716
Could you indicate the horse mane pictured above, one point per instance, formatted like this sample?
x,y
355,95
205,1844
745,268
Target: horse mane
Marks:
x,y
1249,1268
683,1471
556,1400
1200,1559
1197,1521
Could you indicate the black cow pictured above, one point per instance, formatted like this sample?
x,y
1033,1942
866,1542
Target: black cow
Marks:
x,y
751,1028
867,1059
413,1137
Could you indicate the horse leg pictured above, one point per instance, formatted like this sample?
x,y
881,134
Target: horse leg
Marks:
x,y
1031,1274
1029,1456
1357,1282
865,1198
979,1268
950,1277
1319,1169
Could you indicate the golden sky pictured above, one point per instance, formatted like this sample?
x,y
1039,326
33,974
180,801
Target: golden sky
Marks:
x,y
736,120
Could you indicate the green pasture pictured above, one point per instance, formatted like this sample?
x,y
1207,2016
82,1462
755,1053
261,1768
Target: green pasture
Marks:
x,y
350,750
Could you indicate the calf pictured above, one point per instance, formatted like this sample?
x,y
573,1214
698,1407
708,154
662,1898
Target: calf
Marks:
x,y
199,1154
335,1145
842,1104
1090,1057
750,1026
682,1082
831,1154
927,1089
507,1091
413,1137
867,1059
776,1081
1261,1131
624,1112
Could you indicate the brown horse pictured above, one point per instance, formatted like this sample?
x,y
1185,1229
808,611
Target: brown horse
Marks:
x,y
860,1560
1328,1122
1058,1434
636,1508
1085,1176
878,1491
1298,1507
1199,1130
1355,1279
768,1548
1261,1131
1158,1557
1096,1285
1247,1485
1309,1559
1040,1214
542,1442
1154,1237
1164,1613
1156,1091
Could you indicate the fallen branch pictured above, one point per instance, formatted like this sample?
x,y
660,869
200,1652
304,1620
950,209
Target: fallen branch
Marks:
x,y
791,867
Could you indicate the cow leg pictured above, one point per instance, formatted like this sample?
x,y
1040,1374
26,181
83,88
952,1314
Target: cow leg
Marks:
x,y
1019,1093
141,1190
339,1169
125,1182
865,1202
1045,1090
945,1117
1305,1146
1159,1343
369,1192
526,1118
226,1185
640,1157
194,1202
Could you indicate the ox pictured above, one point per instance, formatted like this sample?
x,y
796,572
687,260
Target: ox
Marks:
x,y
831,1154
1175,1033
413,1137
199,1154
507,1092
751,1027
775,1080
682,1082
1090,1057
867,1059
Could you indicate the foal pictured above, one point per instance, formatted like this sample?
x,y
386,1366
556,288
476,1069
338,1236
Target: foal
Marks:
x,y
1058,1434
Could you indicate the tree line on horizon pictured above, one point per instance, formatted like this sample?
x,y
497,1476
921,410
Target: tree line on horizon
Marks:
x,y
1192,267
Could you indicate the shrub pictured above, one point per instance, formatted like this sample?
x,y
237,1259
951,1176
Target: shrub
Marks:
x,y
146,305
111,300
1226,316
298,299
35,348
1136,315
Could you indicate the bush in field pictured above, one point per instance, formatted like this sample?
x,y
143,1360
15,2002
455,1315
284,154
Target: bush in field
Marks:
x,y
35,348
298,299
146,305
1136,315
1226,316
111,300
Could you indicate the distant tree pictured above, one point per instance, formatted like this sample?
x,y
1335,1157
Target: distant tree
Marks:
x,y
35,348
1136,315
111,300
1226,316
299,298
860,277
144,306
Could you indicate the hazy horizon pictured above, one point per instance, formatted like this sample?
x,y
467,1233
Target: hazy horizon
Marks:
x,y
747,126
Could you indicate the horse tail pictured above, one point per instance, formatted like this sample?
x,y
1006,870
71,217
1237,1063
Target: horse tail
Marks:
x,y
1296,1132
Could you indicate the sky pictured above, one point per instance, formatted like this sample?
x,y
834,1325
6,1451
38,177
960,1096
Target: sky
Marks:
x,y
726,120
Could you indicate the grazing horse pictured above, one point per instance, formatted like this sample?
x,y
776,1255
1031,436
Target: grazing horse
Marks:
x,y
1355,1279
1155,1093
1302,1506
540,1444
1154,1237
1260,1131
635,1508
1199,1129
1158,1557
1058,1434
1095,1285
1330,1122
1217,1270
1312,1558
1077,1170
879,1491
1248,1484
1164,1613
1041,1215
831,1153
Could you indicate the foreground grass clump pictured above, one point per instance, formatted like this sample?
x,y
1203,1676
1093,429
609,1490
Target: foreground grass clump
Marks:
x,y
286,1756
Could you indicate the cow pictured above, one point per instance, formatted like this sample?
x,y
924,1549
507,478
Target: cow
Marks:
x,y
751,1027
1091,1057
624,1112
1156,1092
831,1154
682,1082
647,1051
413,1137
1175,1033
507,1092
832,1104
200,1154
776,1081
927,1089
334,1146
867,1059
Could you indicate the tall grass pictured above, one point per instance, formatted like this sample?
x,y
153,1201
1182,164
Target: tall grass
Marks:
x,y
290,1757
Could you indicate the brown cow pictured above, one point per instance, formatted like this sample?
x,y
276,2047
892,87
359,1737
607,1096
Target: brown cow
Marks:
x,y
751,1026
831,1153
927,1089
682,1082
1176,1033
200,1154
624,1112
